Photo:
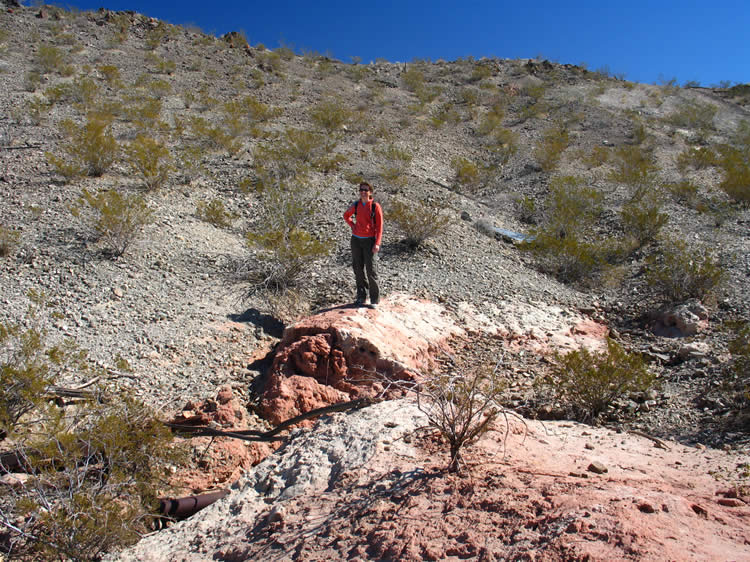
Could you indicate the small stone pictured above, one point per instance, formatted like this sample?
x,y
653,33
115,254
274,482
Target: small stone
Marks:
x,y
730,502
597,468
118,292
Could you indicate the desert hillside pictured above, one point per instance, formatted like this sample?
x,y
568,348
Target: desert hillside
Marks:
x,y
172,202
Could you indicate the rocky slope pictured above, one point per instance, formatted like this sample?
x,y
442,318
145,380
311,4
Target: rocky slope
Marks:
x,y
167,308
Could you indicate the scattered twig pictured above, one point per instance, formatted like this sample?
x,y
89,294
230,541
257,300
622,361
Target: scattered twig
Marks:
x,y
657,442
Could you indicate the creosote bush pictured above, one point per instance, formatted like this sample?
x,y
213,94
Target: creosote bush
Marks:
x,y
589,383
150,159
94,465
8,241
214,212
679,272
418,219
112,218
642,219
549,149
735,163
90,149
634,165
461,406
396,162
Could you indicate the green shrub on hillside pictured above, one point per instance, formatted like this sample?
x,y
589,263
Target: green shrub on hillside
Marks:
x,y
214,212
549,149
697,158
95,464
589,383
467,174
50,59
90,148
284,240
739,347
634,166
565,244
395,163
735,163
113,219
679,272
642,219
598,156
330,115
417,219
8,241
694,115
150,159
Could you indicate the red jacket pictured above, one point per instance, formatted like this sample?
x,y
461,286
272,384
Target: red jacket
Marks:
x,y
360,217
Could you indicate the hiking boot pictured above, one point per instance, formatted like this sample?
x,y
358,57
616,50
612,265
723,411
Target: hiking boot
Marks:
x,y
374,304
359,302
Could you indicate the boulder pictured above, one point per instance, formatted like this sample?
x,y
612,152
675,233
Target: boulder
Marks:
x,y
345,353
687,319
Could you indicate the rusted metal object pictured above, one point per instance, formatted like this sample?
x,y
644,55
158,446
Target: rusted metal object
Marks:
x,y
179,508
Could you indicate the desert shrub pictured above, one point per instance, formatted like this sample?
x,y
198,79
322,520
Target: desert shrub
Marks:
x,y
143,112
190,160
679,272
284,240
110,73
158,35
549,149
694,115
82,91
160,65
90,148
111,218
526,209
418,219
51,59
330,163
502,144
240,115
413,79
8,241
642,218
634,166
565,244
444,113
572,207
735,163
270,61
330,115
214,212
210,136
36,109
480,72
697,158
461,406
467,174
93,466
683,191
589,382
32,80
396,162
150,159
492,120
569,259
598,156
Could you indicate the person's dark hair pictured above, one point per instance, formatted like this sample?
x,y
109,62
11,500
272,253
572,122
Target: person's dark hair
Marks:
x,y
367,185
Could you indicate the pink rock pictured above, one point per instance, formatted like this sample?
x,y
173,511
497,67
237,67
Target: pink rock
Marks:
x,y
347,353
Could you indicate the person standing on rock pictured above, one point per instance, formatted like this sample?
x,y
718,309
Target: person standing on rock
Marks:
x,y
365,217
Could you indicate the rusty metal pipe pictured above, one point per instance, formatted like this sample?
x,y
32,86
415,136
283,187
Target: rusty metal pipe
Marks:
x,y
179,508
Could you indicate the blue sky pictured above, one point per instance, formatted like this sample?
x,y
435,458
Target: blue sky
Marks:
x,y
646,41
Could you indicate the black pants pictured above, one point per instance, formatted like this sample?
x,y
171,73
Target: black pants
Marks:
x,y
363,259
